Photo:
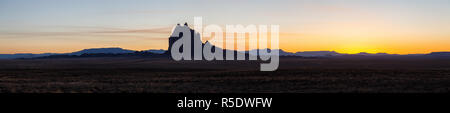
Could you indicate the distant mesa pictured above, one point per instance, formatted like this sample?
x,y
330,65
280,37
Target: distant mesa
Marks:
x,y
114,50
157,51
119,51
24,55
440,54
363,53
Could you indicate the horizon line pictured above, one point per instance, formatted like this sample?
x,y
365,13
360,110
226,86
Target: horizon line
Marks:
x,y
245,50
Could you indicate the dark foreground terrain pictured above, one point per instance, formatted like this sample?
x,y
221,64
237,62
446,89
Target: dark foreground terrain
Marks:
x,y
161,75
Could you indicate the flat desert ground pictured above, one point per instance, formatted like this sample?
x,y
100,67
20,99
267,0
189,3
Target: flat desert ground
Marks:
x,y
163,75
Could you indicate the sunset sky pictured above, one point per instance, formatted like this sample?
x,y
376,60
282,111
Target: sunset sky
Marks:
x,y
345,26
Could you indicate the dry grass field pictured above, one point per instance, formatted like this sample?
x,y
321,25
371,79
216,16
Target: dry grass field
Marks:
x,y
162,75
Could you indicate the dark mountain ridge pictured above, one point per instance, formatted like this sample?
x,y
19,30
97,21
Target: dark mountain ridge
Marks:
x,y
120,52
